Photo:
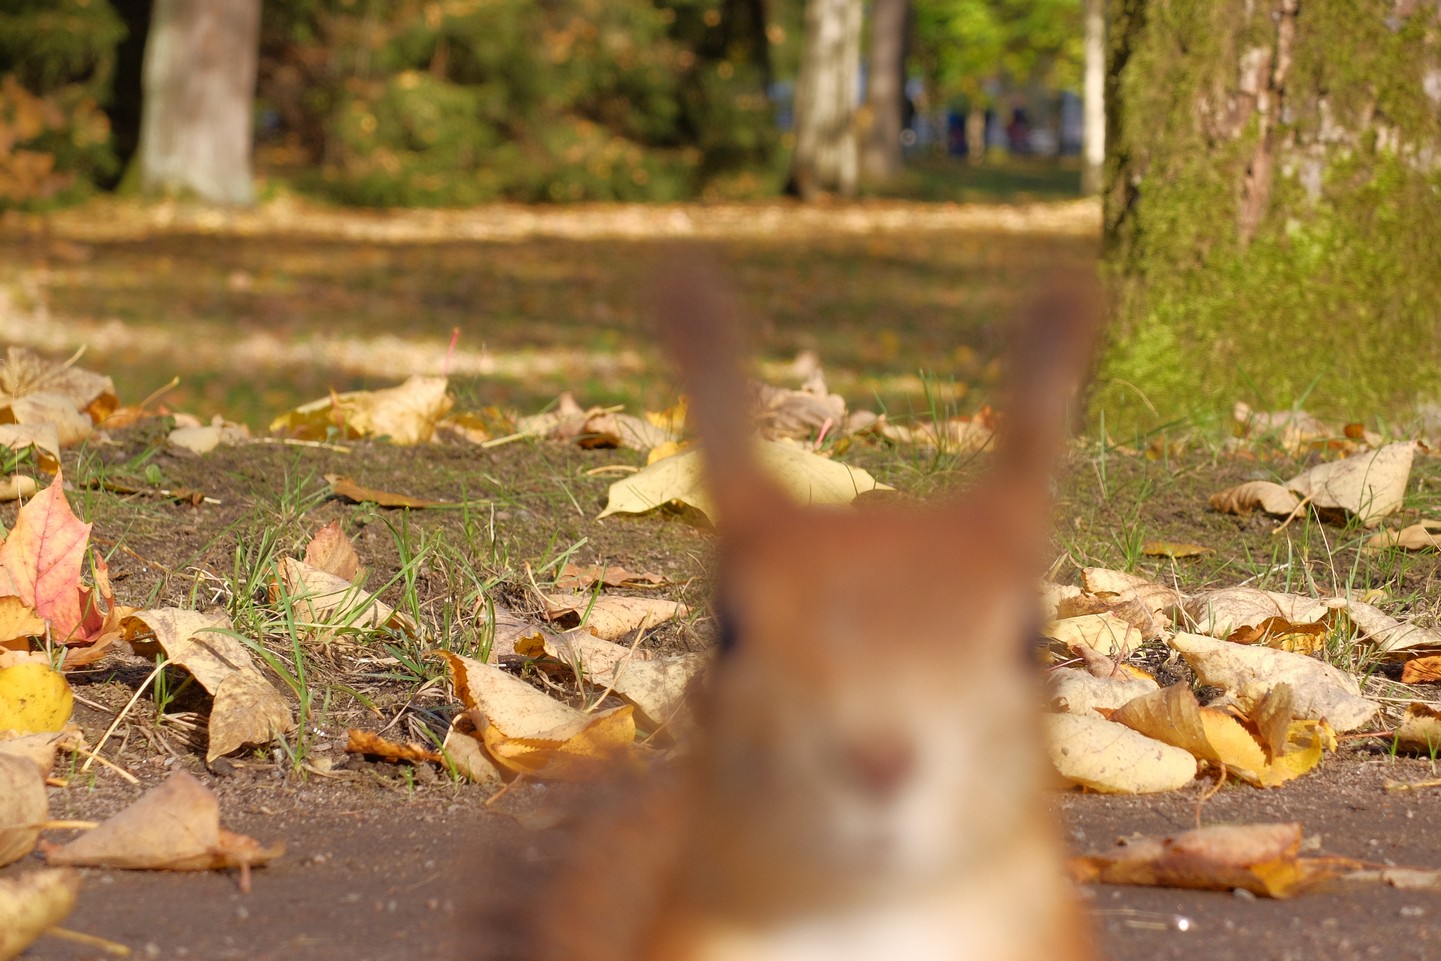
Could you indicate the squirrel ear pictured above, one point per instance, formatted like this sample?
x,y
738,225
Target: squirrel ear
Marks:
x,y
1050,349
698,323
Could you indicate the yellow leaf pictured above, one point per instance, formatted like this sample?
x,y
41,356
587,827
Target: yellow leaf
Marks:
x,y
23,808
32,904
809,477
1174,549
1104,632
34,697
1108,757
405,414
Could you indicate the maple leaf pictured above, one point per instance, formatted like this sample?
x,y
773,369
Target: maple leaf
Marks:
x,y
41,560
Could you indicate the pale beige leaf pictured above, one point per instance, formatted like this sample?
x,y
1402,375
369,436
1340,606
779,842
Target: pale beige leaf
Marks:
x,y
1073,691
1055,595
1104,632
33,903
1157,598
781,412
325,602
172,827
1231,611
205,438
1389,634
247,709
24,806
614,429
1295,429
655,685
1255,495
13,487
1370,485
1104,756
43,437
71,426
808,477
1423,536
608,616
1320,691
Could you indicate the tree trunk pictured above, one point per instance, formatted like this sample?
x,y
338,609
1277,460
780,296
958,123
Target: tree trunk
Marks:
x,y
1270,205
1093,113
825,110
885,91
199,87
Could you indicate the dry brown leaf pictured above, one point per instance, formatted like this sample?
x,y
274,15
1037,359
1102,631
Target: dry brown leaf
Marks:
x,y
1173,715
1104,632
405,414
342,486
25,373
465,754
24,806
1248,614
247,709
33,903
1370,485
1163,601
373,745
172,827
1390,635
1077,692
1420,729
1321,691
204,438
608,616
41,749
326,603
1260,858
1422,670
1098,754
608,429
780,412
1423,536
655,685
331,551
1256,495
526,732
1295,429
575,578
14,487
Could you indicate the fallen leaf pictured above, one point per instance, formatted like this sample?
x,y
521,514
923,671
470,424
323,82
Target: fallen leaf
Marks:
x,y
1422,670
1163,601
324,602
809,477
14,487
1248,615
41,749
1173,715
1423,536
1174,549
331,551
33,903
608,616
526,732
780,412
342,486
1260,858
42,438
172,827
1101,755
18,623
574,578
1321,691
1389,635
613,429
247,709
1251,496
34,697
24,807
465,426
1295,429
655,685
1420,729
373,745
42,557
465,754
1369,485
26,374
1077,692
1104,632
406,414
205,438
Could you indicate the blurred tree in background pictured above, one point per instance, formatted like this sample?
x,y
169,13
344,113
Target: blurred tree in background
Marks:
x,y
419,102
57,58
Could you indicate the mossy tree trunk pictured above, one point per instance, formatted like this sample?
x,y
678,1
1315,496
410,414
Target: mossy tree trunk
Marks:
x,y
1273,205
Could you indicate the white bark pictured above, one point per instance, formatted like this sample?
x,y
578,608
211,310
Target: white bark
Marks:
x,y
825,112
1093,97
199,89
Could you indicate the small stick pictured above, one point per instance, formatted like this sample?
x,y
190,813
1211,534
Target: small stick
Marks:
x,y
119,717
124,774
63,825
1210,793
1295,512
297,442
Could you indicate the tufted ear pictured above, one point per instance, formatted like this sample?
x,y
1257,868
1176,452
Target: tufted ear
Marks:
x,y
698,323
1049,354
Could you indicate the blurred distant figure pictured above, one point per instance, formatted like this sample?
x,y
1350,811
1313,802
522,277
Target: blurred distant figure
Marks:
x,y
1018,132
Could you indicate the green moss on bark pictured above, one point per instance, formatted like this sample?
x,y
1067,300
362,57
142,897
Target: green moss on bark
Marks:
x,y
1337,295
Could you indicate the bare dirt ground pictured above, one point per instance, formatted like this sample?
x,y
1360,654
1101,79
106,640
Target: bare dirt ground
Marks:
x,y
387,861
